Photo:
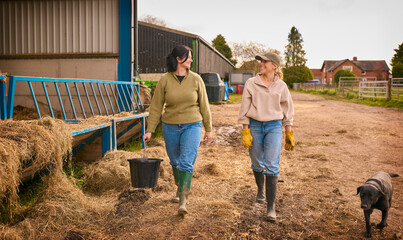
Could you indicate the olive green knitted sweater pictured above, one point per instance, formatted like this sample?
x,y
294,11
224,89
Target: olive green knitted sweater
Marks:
x,y
185,102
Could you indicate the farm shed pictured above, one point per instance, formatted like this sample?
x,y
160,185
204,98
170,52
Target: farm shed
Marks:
x,y
156,42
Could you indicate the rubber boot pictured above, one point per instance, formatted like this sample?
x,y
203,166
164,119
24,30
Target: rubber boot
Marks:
x,y
185,180
176,178
259,178
271,189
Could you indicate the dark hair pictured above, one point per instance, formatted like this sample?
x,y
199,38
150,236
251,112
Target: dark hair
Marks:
x,y
180,51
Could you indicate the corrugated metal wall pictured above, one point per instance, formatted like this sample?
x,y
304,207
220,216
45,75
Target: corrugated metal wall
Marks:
x,y
154,46
41,27
156,42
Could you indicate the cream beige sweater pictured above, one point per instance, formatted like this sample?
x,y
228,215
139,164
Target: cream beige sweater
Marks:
x,y
264,103
185,102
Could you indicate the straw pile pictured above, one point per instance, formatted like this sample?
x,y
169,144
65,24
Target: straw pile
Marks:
x,y
32,145
111,173
64,211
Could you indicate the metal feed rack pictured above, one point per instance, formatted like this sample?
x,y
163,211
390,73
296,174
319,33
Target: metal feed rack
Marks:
x,y
110,98
123,93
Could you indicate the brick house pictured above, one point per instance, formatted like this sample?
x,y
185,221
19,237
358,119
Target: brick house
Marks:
x,y
317,74
366,69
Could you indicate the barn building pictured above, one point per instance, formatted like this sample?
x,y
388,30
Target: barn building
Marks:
x,y
156,42
91,39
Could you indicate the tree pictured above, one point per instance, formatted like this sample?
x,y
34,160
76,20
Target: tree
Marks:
x,y
397,62
295,69
297,74
398,57
246,52
221,45
397,70
294,55
342,73
154,20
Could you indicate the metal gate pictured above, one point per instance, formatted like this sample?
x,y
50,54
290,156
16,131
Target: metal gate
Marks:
x,y
373,89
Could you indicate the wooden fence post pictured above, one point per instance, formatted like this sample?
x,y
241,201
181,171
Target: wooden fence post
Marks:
x,y
389,89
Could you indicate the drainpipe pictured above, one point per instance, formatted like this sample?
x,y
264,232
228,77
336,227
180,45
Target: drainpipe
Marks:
x,y
125,20
136,42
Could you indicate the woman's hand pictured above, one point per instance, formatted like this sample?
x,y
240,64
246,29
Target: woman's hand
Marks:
x,y
207,137
147,137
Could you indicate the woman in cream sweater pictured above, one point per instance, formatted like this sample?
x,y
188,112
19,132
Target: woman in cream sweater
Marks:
x,y
266,107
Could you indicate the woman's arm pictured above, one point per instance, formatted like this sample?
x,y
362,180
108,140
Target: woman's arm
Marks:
x,y
157,103
204,106
245,105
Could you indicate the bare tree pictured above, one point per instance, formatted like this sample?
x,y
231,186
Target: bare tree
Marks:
x,y
245,52
153,20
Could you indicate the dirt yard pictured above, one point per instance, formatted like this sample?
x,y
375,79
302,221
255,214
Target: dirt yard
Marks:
x,y
338,146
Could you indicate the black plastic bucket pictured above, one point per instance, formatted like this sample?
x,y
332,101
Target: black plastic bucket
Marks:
x,y
144,172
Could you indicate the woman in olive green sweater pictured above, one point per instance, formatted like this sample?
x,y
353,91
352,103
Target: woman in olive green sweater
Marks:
x,y
181,99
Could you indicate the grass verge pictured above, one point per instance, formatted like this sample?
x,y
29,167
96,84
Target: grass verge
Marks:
x,y
332,94
234,98
136,145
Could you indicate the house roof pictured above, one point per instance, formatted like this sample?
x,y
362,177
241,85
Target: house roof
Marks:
x,y
364,65
337,64
328,64
316,72
372,65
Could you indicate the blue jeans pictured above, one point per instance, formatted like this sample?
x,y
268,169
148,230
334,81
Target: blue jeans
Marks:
x,y
182,143
266,146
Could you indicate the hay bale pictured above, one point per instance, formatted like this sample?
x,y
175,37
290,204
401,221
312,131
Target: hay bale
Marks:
x,y
37,145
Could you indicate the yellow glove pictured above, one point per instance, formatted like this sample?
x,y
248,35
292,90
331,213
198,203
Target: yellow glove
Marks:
x,y
246,138
289,140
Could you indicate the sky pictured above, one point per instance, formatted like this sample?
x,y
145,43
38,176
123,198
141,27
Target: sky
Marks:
x,y
331,29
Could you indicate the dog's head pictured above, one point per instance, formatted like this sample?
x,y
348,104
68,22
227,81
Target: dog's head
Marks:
x,y
369,196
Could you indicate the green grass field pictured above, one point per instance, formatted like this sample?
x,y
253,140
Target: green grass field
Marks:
x,y
395,102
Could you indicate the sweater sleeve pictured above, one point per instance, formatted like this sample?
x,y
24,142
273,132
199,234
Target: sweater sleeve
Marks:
x,y
287,107
245,105
204,106
157,104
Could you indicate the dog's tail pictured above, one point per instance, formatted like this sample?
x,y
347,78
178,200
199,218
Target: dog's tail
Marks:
x,y
393,175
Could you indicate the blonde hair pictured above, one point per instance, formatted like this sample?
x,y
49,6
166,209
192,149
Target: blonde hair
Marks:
x,y
279,72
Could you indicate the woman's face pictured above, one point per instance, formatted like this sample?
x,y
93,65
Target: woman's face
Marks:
x,y
188,61
267,67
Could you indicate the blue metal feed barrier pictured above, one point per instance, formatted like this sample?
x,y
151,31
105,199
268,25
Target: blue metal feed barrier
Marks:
x,y
110,97
123,95
3,96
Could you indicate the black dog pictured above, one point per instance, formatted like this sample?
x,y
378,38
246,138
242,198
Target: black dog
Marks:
x,y
376,193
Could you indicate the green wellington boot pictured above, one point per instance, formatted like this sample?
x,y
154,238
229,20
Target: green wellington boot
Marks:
x,y
259,178
271,189
185,180
176,178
